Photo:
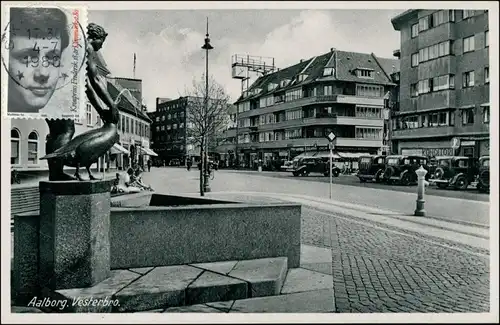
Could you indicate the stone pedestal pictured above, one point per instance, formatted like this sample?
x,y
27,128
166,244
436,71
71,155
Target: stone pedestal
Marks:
x,y
74,236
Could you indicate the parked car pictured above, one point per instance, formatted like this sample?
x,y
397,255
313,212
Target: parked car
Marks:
x,y
455,171
371,168
483,178
175,162
401,169
287,166
306,165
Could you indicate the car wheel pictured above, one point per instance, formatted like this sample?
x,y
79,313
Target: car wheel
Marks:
x,y
295,174
362,180
442,185
325,174
305,173
335,173
461,183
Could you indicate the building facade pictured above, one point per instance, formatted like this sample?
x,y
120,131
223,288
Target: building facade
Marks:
x,y
168,132
290,111
444,83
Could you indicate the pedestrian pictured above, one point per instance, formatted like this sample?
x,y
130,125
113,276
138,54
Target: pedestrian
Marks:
x,y
189,164
149,165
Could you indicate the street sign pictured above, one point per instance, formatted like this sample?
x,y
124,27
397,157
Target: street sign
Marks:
x,y
455,143
331,136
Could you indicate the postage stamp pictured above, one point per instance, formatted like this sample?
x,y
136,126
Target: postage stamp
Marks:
x,y
43,54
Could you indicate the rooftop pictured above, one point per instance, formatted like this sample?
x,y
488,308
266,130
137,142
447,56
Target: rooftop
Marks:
x,y
344,63
402,17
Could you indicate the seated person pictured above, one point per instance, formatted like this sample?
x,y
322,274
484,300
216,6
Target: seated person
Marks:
x,y
122,184
136,179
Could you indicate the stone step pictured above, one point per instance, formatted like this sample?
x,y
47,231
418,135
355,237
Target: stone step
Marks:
x,y
137,290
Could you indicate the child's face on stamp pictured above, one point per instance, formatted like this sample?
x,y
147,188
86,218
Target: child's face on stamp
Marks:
x,y
35,65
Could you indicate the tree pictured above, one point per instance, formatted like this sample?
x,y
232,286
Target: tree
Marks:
x,y
206,116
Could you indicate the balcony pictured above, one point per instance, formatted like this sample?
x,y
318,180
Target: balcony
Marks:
x,y
300,142
306,101
323,119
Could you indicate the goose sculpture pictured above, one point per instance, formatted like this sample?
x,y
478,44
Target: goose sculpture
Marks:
x,y
85,149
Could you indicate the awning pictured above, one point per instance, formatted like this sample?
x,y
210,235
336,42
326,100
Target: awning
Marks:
x,y
485,104
352,155
326,154
118,149
148,152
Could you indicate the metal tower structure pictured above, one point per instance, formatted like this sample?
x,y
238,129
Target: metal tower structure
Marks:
x,y
242,66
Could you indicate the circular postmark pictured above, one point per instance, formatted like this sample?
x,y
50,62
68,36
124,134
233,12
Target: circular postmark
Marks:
x,y
45,47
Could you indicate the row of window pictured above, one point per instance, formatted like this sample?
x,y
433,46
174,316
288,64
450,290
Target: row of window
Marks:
x,y
438,18
170,116
15,145
369,133
167,108
291,95
446,82
170,127
439,119
445,48
130,125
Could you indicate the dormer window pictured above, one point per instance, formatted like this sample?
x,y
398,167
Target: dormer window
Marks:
x,y
328,72
284,83
301,77
271,86
364,73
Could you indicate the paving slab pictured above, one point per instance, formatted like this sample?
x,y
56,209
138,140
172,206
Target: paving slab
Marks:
x,y
78,298
265,276
141,270
325,268
222,305
217,267
162,287
300,280
210,287
318,301
313,254
193,309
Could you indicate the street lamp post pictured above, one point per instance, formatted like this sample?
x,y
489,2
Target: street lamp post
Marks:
x,y
206,47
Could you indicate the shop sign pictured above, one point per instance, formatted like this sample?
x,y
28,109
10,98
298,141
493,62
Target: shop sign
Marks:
x,y
431,152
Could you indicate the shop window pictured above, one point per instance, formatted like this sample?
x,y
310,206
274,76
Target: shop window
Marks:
x,y
15,139
33,148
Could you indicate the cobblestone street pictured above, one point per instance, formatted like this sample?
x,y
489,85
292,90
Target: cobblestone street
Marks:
x,y
380,271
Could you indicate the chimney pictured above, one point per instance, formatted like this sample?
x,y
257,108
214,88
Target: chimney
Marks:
x,y
301,60
331,49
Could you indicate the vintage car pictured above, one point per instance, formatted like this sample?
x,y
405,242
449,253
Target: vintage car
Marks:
x,y
305,165
371,168
455,171
287,166
401,169
483,178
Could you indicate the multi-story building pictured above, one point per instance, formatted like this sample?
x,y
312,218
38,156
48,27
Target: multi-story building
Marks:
x,y
292,110
168,130
28,135
444,83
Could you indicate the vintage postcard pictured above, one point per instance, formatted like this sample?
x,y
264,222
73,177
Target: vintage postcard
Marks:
x,y
212,162
43,57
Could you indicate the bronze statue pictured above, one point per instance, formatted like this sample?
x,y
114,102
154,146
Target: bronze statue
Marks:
x,y
85,149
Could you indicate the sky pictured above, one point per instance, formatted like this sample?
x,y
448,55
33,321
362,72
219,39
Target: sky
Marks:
x,y
168,43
